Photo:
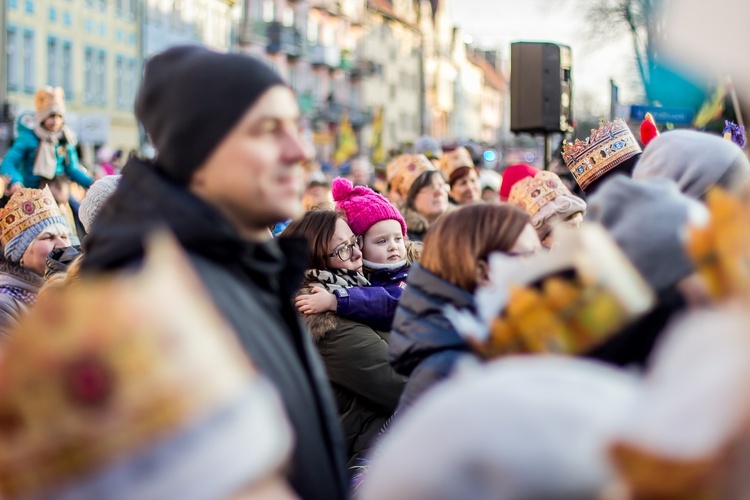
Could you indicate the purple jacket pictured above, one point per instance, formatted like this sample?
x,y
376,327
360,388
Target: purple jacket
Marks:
x,y
375,305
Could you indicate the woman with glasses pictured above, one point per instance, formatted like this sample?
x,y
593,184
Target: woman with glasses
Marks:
x,y
426,201
355,355
424,345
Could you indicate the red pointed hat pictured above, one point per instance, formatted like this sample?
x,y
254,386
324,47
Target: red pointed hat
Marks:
x,y
513,174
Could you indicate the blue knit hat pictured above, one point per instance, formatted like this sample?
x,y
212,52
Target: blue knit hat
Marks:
x,y
28,213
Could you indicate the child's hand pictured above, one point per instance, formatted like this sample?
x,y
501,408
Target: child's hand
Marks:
x,y
317,302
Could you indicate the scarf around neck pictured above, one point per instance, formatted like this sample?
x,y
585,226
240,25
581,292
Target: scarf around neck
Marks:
x,y
45,163
335,279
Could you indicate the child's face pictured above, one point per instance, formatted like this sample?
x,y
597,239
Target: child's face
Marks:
x,y
384,243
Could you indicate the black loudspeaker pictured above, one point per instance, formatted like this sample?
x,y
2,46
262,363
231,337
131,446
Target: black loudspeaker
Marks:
x,y
540,88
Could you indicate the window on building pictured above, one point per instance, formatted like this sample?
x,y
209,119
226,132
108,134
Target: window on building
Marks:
x,y
102,4
119,81
101,78
88,70
67,18
175,19
287,17
119,7
269,10
29,4
132,82
29,79
312,31
52,61
13,4
52,14
67,69
12,57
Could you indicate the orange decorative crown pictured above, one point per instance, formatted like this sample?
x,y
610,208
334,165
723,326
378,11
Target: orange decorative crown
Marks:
x,y
114,368
533,193
24,209
453,160
404,170
607,147
50,99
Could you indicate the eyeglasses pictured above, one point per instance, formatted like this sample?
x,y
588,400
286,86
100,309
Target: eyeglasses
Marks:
x,y
345,251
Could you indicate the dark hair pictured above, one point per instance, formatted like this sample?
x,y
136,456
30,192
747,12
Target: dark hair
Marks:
x,y
318,228
424,180
460,239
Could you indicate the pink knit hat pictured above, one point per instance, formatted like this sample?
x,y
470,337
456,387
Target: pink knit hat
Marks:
x,y
363,207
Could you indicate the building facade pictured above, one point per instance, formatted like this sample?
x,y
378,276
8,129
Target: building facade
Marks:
x,y
90,48
391,51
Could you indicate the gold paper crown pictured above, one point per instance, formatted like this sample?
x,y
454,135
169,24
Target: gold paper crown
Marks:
x,y
404,170
532,193
721,248
453,160
565,302
608,146
124,369
24,209
50,99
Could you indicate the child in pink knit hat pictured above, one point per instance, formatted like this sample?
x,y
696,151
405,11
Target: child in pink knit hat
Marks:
x,y
384,253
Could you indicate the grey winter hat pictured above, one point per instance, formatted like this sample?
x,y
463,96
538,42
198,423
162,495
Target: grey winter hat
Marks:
x,y
98,193
696,161
191,97
648,220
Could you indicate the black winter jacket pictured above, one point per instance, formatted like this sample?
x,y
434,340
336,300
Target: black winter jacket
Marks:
x,y
251,285
424,345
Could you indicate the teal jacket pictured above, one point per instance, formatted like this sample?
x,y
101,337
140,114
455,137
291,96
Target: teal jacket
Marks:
x,y
18,164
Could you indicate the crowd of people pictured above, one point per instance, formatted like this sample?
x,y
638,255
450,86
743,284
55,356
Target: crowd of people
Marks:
x,y
238,325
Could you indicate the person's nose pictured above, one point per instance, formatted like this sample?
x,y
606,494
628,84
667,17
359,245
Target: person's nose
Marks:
x,y
296,150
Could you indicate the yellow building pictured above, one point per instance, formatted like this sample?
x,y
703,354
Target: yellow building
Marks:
x,y
90,48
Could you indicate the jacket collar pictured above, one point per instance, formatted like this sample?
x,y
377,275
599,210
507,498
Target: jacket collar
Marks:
x,y
146,200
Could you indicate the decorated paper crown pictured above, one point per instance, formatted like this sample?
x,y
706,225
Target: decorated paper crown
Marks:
x,y
607,147
50,100
533,193
404,170
720,249
564,302
453,160
113,391
26,208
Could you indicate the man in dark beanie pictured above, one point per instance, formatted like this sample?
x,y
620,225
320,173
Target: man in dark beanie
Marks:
x,y
226,131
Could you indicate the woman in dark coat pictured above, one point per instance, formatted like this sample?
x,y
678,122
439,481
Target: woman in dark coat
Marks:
x,y
367,389
424,345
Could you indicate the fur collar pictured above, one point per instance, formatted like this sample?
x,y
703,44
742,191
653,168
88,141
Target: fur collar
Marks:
x,y
15,270
319,325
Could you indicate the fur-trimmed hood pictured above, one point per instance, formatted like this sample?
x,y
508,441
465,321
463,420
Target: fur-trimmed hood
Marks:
x,y
416,223
319,325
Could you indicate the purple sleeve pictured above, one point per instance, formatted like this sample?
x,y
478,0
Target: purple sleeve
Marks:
x,y
374,306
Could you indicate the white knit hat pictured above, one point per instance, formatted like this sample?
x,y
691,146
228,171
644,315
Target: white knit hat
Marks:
x,y
99,192
526,427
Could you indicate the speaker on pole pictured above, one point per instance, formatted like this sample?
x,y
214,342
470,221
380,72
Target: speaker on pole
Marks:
x,y
540,88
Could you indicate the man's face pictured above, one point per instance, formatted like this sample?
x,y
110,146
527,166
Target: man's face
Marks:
x,y
254,176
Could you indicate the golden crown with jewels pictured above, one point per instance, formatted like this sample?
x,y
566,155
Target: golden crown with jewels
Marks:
x,y
607,147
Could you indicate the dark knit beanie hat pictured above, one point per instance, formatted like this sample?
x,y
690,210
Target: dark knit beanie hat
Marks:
x,y
191,97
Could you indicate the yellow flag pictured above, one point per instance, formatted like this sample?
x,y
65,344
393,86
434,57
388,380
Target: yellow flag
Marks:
x,y
714,106
347,141
377,146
